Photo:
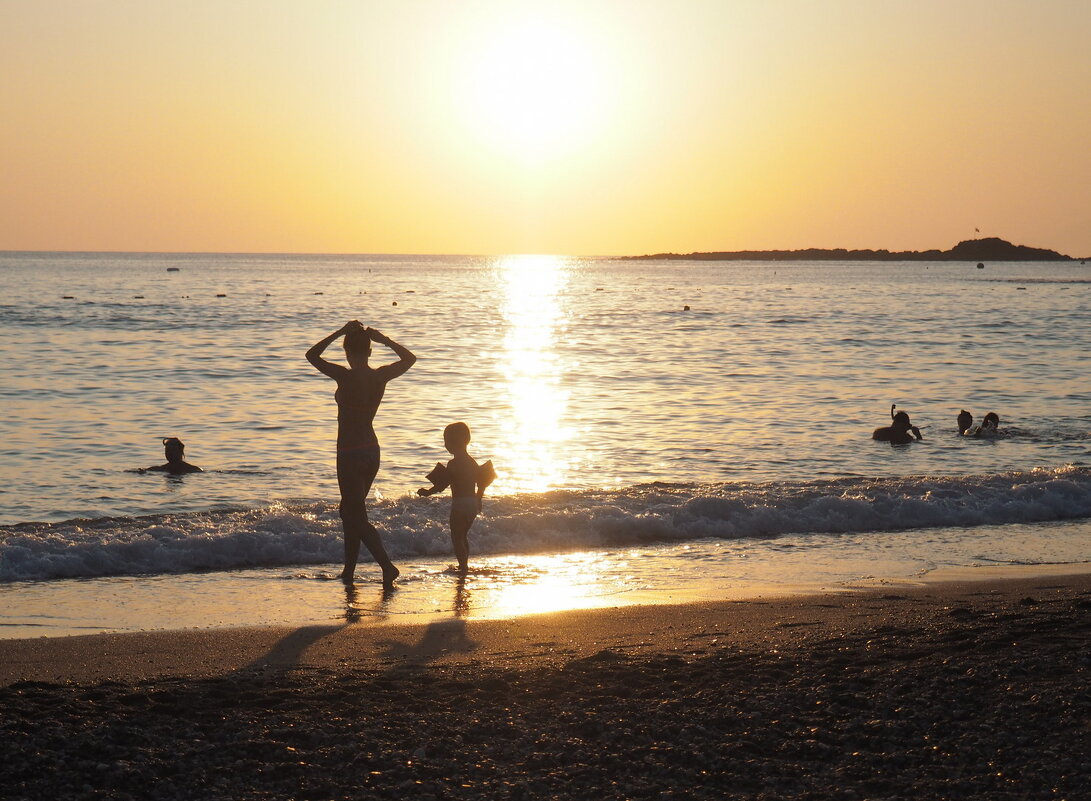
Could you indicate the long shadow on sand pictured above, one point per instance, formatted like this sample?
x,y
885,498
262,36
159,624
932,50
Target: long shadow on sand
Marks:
x,y
439,638
289,650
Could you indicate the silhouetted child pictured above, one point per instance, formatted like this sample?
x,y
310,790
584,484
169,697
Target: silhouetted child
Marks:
x,y
176,459
467,480
897,433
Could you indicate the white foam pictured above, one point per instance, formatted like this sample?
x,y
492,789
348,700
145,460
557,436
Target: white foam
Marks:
x,y
283,535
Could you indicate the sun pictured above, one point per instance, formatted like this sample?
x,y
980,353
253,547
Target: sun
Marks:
x,y
536,90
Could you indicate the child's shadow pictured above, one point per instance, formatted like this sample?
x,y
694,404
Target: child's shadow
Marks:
x,y
440,639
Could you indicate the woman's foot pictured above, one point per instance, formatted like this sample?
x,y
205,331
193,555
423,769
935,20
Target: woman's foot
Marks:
x,y
389,575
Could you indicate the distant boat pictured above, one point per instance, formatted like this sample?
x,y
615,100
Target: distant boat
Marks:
x,y
173,269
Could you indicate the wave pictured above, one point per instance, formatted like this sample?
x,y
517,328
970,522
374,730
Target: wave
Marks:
x,y
302,534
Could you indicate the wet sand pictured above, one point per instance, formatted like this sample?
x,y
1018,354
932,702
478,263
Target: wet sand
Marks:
x,y
960,690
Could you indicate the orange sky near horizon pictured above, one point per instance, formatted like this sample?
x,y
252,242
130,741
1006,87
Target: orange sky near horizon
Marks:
x,y
590,127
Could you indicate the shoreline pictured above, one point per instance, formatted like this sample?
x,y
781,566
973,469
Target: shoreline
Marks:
x,y
445,638
970,690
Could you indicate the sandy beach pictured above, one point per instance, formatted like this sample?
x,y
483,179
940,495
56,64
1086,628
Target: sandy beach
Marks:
x,y
958,690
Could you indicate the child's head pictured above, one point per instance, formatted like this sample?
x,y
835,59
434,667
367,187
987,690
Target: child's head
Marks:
x,y
456,437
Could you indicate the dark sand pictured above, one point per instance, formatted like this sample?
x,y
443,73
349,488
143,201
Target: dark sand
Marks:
x,y
955,691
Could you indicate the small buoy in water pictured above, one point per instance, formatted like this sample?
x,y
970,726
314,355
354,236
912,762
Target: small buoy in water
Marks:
x,y
395,303
221,295
172,269
685,308
411,292
68,297
319,293
138,297
980,266
1021,287
598,289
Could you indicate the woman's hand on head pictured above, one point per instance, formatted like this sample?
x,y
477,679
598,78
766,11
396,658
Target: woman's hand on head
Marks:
x,y
376,335
350,326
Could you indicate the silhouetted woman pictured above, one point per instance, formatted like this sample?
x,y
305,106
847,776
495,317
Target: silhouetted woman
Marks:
x,y
360,389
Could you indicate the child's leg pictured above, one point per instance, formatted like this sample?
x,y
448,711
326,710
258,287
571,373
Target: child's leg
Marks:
x,y
460,528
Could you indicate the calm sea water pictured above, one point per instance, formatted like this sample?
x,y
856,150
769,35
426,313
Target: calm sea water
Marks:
x,y
616,417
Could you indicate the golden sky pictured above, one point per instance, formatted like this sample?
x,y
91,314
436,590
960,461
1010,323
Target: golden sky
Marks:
x,y
586,127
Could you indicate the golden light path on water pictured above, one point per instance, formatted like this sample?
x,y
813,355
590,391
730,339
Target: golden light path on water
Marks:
x,y
539,447
536,443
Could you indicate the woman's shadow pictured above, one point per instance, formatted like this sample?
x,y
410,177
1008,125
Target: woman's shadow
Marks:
x,y
441,638
288,651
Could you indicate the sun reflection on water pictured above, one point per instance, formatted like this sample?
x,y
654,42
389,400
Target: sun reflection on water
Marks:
x,y
549,583
535,446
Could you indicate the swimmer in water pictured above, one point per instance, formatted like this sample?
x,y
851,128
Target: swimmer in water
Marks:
x,y
176,464
990,427
965,421
898,432
467,480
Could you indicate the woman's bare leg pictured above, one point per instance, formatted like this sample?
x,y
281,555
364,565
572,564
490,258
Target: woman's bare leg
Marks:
x,y
354,477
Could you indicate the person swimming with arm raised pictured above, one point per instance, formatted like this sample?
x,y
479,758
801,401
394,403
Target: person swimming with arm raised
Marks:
x,y
360,390
898,432
175,451
467,480
989,428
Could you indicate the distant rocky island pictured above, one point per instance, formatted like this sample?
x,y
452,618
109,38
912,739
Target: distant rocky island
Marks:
x,y
979,250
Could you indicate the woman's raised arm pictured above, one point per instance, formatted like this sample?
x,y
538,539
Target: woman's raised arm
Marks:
x,y
314,354
405,358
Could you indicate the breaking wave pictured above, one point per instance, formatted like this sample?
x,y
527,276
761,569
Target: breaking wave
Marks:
x,y
283,535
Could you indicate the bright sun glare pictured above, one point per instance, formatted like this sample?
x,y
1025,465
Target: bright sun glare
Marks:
x,y
537,90
537,445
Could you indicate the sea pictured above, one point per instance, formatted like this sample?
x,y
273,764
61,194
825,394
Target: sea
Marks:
x,y
662,431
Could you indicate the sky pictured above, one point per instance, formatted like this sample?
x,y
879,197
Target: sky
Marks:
x,y
595,127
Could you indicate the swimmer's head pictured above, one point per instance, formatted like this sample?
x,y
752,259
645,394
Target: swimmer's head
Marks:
x,y
456,437
358,343
992,419
965,420
174,449
901,422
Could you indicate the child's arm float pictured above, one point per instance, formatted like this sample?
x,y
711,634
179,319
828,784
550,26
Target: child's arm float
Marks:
x,y
486,474
440,479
